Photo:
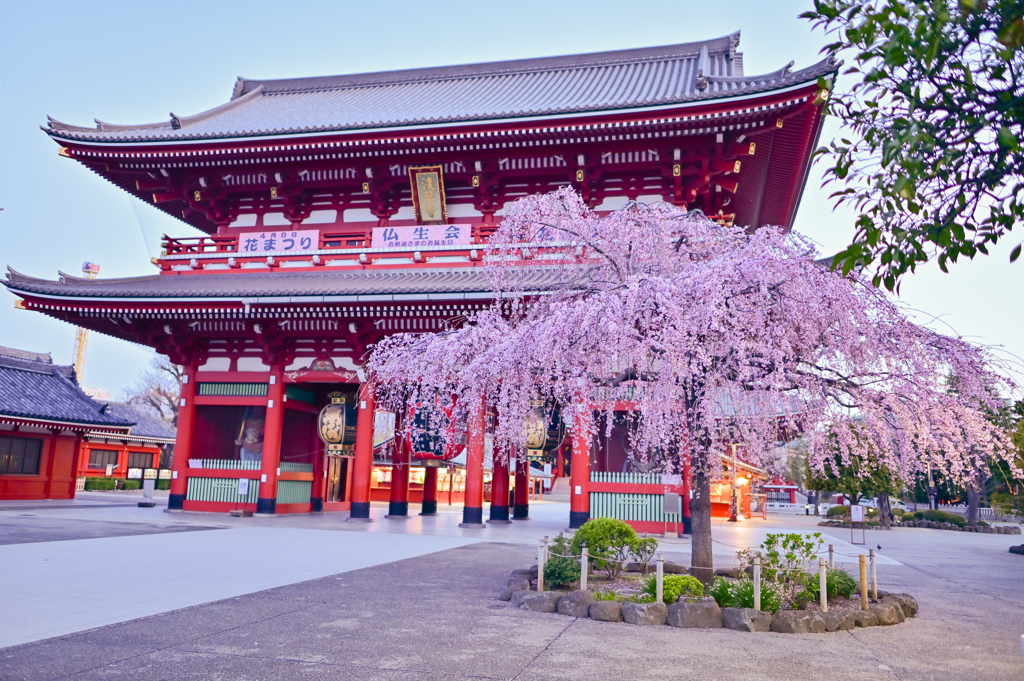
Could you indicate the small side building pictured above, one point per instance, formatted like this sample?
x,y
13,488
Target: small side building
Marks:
x,y
44,419
134,456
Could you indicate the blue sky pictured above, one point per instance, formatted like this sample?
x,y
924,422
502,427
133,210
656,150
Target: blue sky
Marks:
x,y
134,62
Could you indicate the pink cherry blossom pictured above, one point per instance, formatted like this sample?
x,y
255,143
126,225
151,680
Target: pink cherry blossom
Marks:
x,y
700,328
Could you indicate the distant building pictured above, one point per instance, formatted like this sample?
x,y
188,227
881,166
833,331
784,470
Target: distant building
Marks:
x,y
44,420
134,456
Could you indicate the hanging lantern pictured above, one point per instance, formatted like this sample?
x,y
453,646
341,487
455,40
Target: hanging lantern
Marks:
x,y
435,434
331,423
536,426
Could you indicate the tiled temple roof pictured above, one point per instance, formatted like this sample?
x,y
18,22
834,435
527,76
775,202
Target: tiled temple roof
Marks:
x,y
39,391
147,426
332,285
584,83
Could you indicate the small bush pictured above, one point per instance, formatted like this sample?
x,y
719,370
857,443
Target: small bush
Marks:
x,y
604,595
897,512
643,550
740,594
101,484
837,511
675,587
558,570
131,484
838,584
609,541
163,484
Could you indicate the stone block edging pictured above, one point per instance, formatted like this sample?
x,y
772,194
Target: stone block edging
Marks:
x,y
889,609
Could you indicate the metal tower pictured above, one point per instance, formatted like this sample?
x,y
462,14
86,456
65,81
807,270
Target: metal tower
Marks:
x,y
90,269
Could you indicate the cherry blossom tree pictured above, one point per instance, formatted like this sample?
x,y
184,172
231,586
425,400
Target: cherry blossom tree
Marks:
x,y
709,333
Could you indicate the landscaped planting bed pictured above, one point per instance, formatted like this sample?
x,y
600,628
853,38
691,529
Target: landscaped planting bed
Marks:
x,y
790,593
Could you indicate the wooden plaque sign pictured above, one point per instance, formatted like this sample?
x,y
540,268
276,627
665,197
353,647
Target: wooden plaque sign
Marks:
x,y
427,184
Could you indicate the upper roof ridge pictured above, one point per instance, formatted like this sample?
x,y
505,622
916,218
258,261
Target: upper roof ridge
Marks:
x,y
722,45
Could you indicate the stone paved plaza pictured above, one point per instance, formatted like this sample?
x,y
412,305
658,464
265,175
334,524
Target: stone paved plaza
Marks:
x,y
100,589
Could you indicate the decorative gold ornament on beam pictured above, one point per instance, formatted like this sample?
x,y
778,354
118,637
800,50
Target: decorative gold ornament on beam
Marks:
x,y
476,181
778,123
63,151
677,170
579,175
273,192
366,187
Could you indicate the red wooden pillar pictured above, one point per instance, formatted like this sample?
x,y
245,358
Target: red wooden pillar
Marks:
x,y
473,509
521,503
272,430
319,490
429,491
183,441
400,460
560,460
499,487
579,480
362,463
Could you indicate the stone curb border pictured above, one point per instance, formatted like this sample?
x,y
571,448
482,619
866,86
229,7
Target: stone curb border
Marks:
x,y
891,608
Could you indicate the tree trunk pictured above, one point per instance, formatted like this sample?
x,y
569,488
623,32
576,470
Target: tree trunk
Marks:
x,y
700,519
884,509
973,497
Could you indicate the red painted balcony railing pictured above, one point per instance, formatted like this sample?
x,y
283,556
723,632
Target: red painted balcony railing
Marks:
x,y
358,237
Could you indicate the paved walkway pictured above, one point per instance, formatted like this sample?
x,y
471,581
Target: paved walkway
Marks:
x,y
423,589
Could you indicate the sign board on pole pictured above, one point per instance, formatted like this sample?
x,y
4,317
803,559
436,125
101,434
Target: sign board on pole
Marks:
x,y
243,487
110,470
857,513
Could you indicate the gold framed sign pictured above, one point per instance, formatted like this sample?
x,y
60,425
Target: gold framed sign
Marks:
x,y
427,184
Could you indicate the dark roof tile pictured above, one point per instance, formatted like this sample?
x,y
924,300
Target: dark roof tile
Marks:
x,y
37,391
601,81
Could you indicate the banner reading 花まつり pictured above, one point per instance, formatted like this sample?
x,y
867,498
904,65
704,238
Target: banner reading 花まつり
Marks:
x,y
421,236
281,240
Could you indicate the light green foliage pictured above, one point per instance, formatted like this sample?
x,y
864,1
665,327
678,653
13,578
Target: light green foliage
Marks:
x,y
560,570
604,595
787,560
933,103
643,549
740,594
675,587
609,542
897,511
837,511
131,484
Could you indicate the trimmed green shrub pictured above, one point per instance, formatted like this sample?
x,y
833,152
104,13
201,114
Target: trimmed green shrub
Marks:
x,y
163,484
609,541
940,517
897,512
559,570
837,511
100,484
674,587
131,484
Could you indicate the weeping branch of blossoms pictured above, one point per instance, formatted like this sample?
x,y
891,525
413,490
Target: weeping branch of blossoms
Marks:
x,y
701,328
